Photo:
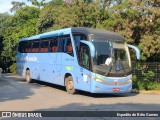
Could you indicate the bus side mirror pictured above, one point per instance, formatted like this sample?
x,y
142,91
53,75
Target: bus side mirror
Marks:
x,y
91,47
136,49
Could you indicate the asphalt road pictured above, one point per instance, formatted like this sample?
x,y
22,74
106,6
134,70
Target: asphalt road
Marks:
x,y
17,95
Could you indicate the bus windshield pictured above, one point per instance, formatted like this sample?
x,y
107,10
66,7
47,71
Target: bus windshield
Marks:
x,y
111,57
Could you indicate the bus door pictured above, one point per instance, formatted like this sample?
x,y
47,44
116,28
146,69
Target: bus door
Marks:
x,y
85,66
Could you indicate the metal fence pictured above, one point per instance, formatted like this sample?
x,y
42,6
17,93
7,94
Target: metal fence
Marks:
x,y
143,67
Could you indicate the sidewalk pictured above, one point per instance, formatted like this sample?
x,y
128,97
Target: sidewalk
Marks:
x,y
153,92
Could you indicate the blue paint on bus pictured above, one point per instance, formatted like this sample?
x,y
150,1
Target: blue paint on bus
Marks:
x,y
97,60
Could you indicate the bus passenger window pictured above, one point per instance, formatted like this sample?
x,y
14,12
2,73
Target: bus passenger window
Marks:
x,y
69,48
53,45
44,46
35,46
77,37
21,47
65,44
28,47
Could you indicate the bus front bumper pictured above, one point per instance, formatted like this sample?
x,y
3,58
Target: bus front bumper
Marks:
x,y
102,88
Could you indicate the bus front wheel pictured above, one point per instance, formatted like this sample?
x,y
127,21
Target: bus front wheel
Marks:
x,y
70,85
28,77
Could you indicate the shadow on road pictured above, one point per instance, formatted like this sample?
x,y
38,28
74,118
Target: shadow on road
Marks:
x,y
105,107
78,111
49,85
104,95
103,111
94,95
13,87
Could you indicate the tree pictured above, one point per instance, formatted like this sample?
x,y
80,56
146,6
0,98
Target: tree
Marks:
x,y
48,15
17,6
138,22
3,17
70,14
21,24
3,24
56,3
37,3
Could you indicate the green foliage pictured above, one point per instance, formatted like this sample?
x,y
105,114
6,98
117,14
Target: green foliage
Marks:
x,y
135,82
156,86
147,80
137,21
21,24
55,3
17,5
3,24
71,14
13,68
37,3
146,83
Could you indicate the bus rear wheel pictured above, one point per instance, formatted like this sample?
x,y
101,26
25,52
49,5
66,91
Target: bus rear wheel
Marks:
x,y
70,85
28,76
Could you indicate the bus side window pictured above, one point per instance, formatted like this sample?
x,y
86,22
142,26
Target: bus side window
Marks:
x,y
44,45
65,44
28,47
53,44
35,46
84,57
69,48
21,47
77,37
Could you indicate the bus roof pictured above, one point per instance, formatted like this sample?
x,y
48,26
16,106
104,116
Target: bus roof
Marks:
x,y
47,34
87,31
98,33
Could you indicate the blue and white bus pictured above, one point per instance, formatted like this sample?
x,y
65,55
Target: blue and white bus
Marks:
x,y
87,59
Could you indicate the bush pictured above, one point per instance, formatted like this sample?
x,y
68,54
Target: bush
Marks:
x,y
145,83
137,84
13,68
147,80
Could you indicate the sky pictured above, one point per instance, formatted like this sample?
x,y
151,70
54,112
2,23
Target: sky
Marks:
x,y
5,5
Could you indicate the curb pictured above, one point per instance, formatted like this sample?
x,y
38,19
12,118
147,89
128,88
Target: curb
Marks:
x,y
152,92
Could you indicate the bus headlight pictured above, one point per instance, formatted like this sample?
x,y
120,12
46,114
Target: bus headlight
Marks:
x,y
128,81
98,80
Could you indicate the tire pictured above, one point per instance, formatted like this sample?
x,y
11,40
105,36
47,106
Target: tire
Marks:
x,y
28,76
70,85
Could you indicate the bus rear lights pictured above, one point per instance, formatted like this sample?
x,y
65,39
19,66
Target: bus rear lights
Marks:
x,y
116,89
97,88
